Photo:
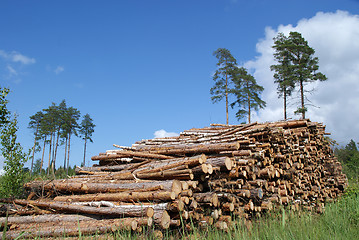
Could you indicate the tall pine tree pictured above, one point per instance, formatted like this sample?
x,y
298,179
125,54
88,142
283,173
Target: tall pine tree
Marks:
x,y
294,53
35,124
283,79
247,93
223,77
86,129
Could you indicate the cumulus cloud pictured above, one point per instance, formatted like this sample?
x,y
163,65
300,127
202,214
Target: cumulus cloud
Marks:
x,y
335,38
16,57
59,69
162,133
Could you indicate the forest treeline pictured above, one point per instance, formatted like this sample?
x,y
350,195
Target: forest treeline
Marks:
x,y
348,155
52,127
55,126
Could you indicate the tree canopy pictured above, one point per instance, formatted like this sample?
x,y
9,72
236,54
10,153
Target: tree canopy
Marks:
x,y
247,93
87,127
54,126
230,79
296,66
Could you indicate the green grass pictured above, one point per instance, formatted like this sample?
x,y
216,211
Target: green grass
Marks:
x,y
339,221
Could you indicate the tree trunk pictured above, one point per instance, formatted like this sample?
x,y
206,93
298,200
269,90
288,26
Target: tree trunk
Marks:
x,y
65,153
53,152
285,103
84,162
249,106
302,98
226,98
49,165
33,150
68,155
42,157
56,145
53,156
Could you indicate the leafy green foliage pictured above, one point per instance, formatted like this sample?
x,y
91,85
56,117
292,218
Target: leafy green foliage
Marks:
x,y
14,158
37,170
349,157
4,112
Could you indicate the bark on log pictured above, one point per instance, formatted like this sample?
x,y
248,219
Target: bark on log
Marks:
x,y
85,227
88,187
125,210
121,197
46,218
190,161
123,154
198,149
225,163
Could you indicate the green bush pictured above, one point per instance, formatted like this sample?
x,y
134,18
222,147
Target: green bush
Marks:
x,y
11,183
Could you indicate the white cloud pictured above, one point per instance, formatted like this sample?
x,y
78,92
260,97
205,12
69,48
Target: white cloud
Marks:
x,y
162,133
335,38
16,57
59,69
11,70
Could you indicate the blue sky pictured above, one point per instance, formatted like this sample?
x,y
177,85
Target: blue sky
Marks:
x,y
138,67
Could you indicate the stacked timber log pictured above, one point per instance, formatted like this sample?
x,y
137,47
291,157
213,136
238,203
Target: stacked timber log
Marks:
x,y
206,176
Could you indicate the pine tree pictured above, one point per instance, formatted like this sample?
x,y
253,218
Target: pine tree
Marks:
x,y
70,127
283,79
86,129
223,77
303,65
35,122
247,93
49,125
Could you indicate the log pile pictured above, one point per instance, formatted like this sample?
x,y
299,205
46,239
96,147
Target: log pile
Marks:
x,y
206,176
